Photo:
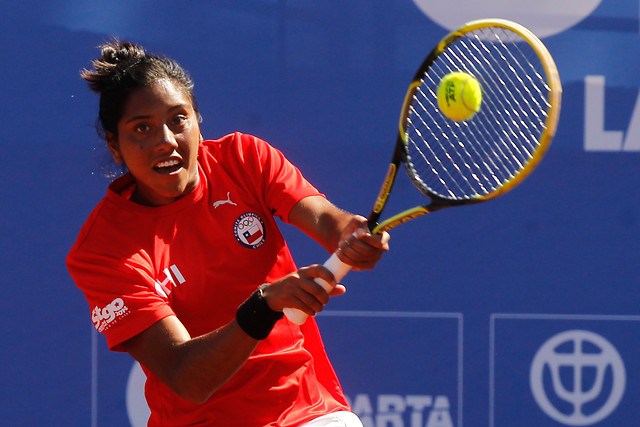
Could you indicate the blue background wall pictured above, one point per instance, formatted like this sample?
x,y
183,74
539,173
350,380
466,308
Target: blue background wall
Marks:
x,y
456,312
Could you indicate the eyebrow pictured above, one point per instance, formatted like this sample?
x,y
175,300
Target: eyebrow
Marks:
x,y
146,116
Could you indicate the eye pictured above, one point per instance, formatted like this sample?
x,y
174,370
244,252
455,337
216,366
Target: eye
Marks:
x,y
142,128
180,120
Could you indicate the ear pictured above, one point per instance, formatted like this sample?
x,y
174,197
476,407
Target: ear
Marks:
x,y
114,147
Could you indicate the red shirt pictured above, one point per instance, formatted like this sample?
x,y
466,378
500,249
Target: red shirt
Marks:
x,y
199,258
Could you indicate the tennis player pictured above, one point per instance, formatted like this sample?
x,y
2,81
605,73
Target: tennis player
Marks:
x,y
184,267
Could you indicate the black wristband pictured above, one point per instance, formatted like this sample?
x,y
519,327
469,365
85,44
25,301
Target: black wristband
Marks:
x,y
255,317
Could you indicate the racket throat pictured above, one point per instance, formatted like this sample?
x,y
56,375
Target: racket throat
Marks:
x,y
402,217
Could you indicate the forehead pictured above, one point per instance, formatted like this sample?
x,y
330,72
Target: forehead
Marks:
x,y
161,96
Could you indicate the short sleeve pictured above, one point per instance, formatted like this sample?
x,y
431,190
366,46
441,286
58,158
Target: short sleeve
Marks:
x,y
284,184
121,295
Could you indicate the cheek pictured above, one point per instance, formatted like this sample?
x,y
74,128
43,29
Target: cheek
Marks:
x,y
133,154
194,138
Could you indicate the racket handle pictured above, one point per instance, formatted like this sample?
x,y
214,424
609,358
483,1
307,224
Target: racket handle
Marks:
x,y
339,270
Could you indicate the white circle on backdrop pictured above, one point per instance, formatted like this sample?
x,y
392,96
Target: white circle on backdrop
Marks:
x,y
543,17
137,407
606,361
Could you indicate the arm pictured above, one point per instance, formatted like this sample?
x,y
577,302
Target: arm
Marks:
x,y
194,368
337,230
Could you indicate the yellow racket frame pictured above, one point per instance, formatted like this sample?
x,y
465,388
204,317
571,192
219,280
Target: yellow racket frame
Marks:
x,y
553,113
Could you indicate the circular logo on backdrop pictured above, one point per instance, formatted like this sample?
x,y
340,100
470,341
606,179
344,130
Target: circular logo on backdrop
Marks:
x,y
137,407
577,378
249,230
543,17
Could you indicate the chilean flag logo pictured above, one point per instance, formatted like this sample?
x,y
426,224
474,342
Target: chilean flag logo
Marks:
x,y
249,230
253,235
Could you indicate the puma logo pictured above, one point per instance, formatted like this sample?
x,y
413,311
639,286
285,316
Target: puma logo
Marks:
x,y
226,201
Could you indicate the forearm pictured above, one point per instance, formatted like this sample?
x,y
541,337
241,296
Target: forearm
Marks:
x,y
321,220
194,368
206,363
336,229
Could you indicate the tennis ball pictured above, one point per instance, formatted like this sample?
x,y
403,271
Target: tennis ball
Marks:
x,y
459,96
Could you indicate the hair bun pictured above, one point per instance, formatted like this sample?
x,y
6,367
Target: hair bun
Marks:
x,y
122,52
115,59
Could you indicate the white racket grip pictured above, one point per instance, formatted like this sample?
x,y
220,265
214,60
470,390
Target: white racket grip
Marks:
x,y
339,270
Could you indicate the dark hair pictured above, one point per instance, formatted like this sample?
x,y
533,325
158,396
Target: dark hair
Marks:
x,y
124,67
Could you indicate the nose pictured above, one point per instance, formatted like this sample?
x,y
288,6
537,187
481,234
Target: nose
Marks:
x,y
167,139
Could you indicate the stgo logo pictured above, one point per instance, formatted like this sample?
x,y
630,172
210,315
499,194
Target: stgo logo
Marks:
x,y
103,318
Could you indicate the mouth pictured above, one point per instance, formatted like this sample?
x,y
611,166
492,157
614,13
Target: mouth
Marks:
x,y
169,166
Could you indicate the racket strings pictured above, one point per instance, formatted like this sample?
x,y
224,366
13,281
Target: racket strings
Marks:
x,y
462,160
514,59
453,182
431,155
507,110
528,70
456,182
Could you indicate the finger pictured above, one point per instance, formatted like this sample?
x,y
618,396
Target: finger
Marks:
x,y
360,249
317,274
313,302
296,292
359,255
338,290
308,303
378,241
357,226
382,239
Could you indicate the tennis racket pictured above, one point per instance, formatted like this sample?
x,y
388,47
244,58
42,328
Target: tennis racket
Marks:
x,y
457,163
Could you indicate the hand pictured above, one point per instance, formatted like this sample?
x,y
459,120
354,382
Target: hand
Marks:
x,y
359,248
299,290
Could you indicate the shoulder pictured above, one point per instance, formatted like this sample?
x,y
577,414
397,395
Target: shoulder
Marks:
x,y
85,230
111,227
234,143
238,151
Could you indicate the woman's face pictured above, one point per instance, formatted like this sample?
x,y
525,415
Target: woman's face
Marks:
x,y
158,139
